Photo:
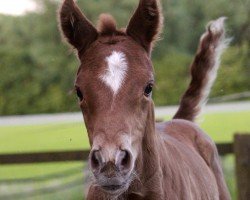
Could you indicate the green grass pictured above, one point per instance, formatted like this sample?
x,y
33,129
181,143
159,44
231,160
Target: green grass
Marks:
x,y
38,138
63,187
54,137
34,170
220,126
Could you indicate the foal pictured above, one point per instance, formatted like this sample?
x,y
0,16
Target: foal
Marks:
x,y
131,157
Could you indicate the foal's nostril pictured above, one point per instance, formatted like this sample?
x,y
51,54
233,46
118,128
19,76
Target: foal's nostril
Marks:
x,y
124,160
95,159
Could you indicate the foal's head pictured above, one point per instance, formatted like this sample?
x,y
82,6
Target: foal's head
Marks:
x,y
114,85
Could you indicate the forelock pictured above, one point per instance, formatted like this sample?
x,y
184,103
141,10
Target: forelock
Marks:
x,y
107,26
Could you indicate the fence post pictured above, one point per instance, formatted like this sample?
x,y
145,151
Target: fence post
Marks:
x,y
242,153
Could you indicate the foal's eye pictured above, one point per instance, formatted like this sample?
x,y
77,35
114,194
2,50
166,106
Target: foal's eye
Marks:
x,y
79,94
148,90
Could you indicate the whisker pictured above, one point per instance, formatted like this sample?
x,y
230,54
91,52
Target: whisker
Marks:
x,y
136,177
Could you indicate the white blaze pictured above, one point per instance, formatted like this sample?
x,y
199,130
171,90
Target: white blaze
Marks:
x,y
116,70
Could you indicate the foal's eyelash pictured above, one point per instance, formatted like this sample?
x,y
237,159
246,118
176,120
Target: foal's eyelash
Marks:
x,y
155,86
152,82
71,91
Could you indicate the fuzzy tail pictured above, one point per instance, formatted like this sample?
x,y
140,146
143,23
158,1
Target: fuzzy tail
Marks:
x,y
203,70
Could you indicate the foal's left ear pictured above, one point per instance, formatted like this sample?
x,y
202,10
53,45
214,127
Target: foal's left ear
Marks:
x,y
77,29
146,24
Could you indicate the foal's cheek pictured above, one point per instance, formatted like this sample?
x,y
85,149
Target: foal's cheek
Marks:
x,y
146,103
89,127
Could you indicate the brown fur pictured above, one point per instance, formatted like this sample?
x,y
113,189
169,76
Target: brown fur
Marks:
x,y
148,12
78,31
167,161
204,62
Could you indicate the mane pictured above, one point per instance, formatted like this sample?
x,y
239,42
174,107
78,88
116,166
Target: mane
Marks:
x,y
107,25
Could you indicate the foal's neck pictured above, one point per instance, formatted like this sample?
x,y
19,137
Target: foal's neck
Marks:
x,y
149,166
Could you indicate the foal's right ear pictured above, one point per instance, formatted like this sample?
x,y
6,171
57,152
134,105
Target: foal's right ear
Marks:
x,y
77,29
146,24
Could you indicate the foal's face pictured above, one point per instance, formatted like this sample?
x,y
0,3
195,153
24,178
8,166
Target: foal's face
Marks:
x,y
114,85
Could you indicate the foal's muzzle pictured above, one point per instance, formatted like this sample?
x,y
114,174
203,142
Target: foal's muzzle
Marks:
x,y
112,175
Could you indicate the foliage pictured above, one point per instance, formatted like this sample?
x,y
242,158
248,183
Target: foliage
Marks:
x,y
37,69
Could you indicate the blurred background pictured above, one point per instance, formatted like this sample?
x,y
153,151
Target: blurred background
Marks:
x,y
37,73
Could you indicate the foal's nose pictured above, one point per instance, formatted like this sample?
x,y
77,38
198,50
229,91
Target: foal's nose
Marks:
x,y
121,162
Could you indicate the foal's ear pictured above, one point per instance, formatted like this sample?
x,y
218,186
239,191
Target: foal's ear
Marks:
x,y
77,29
146,24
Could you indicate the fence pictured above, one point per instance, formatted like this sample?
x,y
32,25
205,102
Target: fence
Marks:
x,y
240,148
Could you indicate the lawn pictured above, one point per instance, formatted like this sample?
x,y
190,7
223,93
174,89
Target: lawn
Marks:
x,y
52,137
220,126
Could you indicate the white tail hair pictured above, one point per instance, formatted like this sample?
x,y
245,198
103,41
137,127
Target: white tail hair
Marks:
x,y
203,70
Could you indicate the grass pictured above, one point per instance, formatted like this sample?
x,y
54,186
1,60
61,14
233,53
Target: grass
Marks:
x,y
222,126
54,137
64,186
36,138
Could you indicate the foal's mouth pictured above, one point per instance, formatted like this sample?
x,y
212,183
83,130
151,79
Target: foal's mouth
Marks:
x,y
115,189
